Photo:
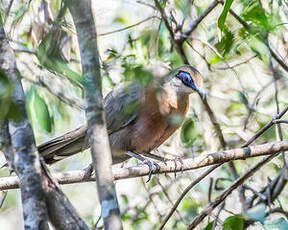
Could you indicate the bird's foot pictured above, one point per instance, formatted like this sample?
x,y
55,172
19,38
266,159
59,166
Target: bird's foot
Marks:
x,y
150,164
88,171
146,161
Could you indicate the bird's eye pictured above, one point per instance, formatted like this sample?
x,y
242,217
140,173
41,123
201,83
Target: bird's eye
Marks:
x,y
186,79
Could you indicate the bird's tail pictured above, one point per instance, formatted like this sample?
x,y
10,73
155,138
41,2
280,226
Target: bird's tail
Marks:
x,y
67,145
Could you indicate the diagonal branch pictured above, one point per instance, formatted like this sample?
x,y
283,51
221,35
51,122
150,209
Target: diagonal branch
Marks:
x,y
211,206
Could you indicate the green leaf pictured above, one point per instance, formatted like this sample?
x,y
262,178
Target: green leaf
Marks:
x,y
50,56
257,213
1,21
188,131
254,13
37,110
175,59
243,98
121,19
233,223
14,112
5,95
226,42
190,208
223,15
209,226
279,224
259,48
183,6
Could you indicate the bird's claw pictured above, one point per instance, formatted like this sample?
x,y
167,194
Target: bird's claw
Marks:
x,y
175,162
150,165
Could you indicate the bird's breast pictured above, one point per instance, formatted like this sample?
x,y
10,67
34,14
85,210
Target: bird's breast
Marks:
x,y
155,123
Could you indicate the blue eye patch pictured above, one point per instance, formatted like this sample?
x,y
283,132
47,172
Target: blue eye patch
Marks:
x,y
186,79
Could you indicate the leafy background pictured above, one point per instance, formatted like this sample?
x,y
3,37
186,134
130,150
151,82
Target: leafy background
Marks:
x,y
236,67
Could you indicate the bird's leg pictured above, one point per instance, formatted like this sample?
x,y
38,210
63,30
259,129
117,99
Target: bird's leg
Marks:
x,y
156,157
150,163
164,160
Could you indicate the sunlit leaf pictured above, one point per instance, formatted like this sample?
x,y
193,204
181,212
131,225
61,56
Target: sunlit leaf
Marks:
x,y
233,223
223,15
259,48
175,59
121,19
253,12
226,42
183,6
190,208
37,110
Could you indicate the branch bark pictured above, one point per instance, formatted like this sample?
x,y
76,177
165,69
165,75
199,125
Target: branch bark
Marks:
x,y
203,160
21,152
41,196
98,136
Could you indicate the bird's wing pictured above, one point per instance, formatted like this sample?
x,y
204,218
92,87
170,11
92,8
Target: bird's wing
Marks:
x,y
122,105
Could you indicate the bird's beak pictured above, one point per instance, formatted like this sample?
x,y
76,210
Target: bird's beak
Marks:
x,y
201,93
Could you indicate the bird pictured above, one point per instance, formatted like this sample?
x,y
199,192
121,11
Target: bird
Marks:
x,y
139,117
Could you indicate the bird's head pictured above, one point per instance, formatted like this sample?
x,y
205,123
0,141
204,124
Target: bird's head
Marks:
x,y
185,80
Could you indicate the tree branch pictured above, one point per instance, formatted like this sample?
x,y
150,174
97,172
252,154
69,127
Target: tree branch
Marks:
x,y
203,160
21,152
100,149
211,206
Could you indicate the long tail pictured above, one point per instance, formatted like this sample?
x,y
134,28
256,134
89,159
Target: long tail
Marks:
x,y
67,145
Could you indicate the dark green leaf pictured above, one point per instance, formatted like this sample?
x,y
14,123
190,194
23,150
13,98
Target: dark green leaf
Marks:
x,y
5,95
209,226
257,213
37,110
223,15
254,13
243,98
226,42
14,112
233,223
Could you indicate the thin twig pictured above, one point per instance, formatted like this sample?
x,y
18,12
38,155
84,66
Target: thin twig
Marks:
x,y
207,172
196,22
210,207
128,27
3,199
238,64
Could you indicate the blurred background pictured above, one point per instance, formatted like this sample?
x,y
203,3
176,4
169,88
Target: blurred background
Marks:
x,y
245,89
